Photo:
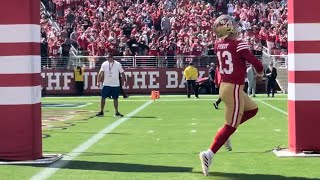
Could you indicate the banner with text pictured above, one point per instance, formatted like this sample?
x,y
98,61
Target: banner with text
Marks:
x,y
140,81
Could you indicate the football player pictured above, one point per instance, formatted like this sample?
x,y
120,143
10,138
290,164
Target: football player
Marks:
x,y
232,58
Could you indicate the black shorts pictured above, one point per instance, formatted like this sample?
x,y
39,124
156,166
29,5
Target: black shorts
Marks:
x,y
110,92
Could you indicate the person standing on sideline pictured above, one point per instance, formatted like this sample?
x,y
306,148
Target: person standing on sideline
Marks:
x,y
212,72
251,75
239,107
109,77
191,75
271,73
217,81
78,78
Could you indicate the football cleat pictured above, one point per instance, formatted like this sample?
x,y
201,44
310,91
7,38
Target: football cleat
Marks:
x,y
206,160
215,105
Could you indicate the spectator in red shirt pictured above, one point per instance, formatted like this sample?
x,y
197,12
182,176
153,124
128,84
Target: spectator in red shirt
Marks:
x,y
283,39
153,48
54,54
263,36
271,38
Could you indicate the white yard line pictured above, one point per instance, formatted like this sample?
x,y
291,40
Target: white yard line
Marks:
x,y
273,107
193,131
57,107
87,104
49,171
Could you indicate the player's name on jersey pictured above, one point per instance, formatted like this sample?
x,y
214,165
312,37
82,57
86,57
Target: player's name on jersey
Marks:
x,y
223,46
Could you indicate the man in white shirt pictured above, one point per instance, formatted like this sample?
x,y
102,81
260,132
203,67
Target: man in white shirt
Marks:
x,y
109,75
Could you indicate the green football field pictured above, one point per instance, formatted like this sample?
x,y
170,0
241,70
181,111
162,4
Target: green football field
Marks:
x,y
160,140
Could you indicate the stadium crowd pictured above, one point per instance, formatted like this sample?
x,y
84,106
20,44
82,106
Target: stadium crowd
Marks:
x,y
157,27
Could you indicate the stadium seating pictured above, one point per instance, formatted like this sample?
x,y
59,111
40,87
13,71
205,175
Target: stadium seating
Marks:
x,y
156,27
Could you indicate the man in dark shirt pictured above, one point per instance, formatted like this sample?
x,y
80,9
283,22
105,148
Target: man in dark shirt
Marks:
x,y
212,72
271,73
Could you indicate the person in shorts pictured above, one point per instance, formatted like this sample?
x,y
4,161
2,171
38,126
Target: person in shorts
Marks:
x,y
109,75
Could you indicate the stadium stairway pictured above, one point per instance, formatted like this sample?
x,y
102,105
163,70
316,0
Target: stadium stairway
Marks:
x,y
282,79
43,9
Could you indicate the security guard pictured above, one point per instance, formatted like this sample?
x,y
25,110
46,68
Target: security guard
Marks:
x,y
191,75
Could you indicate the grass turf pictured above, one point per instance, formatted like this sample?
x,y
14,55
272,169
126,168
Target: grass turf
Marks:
x,y
163,141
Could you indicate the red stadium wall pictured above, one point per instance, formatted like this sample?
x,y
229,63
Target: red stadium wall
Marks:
x,y
140,81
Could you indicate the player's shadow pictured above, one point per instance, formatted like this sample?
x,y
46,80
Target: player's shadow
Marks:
x,y
242,176
122,167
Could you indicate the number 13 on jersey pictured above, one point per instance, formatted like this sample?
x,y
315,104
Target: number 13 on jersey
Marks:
x,y
225,59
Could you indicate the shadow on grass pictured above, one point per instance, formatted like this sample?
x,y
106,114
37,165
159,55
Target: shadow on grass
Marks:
x,y
242,176
143,154
122,167
92,132
122,154
142,117
73,132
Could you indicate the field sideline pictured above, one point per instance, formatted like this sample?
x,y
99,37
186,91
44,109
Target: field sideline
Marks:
x,y
160,140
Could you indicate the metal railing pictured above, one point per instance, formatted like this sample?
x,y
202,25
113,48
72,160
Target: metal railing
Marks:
x,y
93,62
51,21
128,61
278,60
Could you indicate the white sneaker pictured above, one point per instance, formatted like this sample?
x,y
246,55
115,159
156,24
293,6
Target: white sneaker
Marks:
x,y
206,159
227,144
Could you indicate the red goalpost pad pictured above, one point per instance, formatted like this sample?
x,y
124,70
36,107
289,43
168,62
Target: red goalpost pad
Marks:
x,y
20,90
304,75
